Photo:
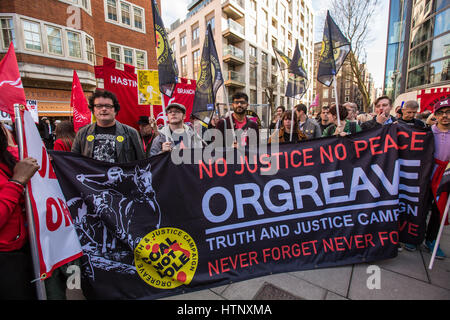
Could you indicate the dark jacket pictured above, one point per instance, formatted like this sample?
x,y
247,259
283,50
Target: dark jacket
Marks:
x,y
127,150
414,122
373,123
225,124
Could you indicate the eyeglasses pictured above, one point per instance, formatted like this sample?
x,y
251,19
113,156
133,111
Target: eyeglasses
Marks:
x,y
242,102
441,113
101,106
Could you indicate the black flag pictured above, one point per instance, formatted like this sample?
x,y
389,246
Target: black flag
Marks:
x,y
296,66
335,48
297,80
209,80
167,69
279,55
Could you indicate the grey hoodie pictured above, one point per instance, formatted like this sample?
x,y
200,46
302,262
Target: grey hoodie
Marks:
x,y
192,141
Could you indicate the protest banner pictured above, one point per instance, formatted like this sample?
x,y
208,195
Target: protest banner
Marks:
x,y
148,87
154,228
57,240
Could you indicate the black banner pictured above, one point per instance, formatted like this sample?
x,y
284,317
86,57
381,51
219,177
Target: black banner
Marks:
x,y
335,48
320,203
209,80
167,68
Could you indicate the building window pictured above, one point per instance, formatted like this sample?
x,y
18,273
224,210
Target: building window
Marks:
x,y
125,11
183,43
211,21
112,10
129,16
74,41
138,18
196,62
184,66
115,53
131,56
84,4
195,33
90,49
7,32
128,56
141,61
54,40
32,35
252,51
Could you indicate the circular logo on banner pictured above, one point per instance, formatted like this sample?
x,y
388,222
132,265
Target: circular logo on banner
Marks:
x,y
159,44
166,258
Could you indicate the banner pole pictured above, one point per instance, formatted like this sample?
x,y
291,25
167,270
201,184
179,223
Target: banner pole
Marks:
x,y
337,100
40,286
164,113
438,239
292,122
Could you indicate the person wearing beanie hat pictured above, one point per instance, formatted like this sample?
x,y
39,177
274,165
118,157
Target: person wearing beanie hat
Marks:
x,y
175,133
148,130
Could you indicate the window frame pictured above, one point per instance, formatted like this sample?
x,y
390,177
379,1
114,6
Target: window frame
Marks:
x,y
131,13
134,51
12,33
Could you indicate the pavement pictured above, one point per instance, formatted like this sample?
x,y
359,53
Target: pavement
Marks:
x,y
406,277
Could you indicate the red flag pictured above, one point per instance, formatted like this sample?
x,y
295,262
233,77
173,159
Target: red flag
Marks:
x,y
81,112
11,88
440,198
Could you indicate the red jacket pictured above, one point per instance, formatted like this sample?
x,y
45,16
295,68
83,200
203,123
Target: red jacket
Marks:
x,y
13,232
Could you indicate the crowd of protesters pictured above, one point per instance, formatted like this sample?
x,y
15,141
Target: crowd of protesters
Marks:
x,y
98,141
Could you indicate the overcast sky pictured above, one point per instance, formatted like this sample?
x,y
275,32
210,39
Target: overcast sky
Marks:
x,y
376,49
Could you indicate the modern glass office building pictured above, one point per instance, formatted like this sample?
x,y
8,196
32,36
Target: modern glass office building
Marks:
x,y
418,46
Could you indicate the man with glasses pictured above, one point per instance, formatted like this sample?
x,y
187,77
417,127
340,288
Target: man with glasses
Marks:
x,y
107,139
176,133
441,131
236,128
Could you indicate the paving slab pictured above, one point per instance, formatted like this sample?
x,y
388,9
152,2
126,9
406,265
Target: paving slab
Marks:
x,y
198,295
336,280
247,290
394,286
407,263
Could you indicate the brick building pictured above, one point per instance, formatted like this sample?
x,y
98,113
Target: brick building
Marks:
x,y
54,37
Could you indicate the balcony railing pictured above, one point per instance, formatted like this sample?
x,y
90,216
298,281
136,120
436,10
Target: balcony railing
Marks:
x,y
233,26
238,2
233,78
233,51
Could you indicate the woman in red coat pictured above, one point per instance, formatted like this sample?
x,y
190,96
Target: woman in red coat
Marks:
x,y
15,258
64,136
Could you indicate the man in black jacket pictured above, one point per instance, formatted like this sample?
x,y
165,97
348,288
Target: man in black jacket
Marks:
x,y
409,111
383,106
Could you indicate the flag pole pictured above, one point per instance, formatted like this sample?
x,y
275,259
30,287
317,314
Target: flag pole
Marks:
x,y
337,100
436,244
40,286
164,113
